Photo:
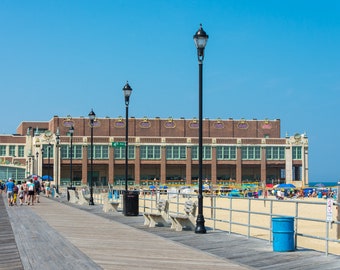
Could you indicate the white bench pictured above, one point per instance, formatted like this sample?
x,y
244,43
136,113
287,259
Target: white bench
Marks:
x,y
82,199
159,218
186,220
73,196
56,194
109,205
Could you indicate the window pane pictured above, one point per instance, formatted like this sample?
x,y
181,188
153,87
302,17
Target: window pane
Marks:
x,y
183,154
233,152
275,153
251,152
2,150
206,152
21,151
282,153
257,152
157,152
143,152
131,149
12,150
194,152
168,152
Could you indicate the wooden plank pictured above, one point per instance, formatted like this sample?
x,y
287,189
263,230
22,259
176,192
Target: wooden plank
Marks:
x,y
9,253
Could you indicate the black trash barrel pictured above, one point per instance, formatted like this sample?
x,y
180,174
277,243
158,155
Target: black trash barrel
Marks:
x,y
131,203
68,194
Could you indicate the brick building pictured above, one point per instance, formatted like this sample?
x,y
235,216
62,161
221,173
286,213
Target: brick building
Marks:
x,y
161,151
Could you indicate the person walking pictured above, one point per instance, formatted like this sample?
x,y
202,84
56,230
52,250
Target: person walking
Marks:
x,y
47,189
36,189
30,197
25,188
15,193
9,191
2,187
21,194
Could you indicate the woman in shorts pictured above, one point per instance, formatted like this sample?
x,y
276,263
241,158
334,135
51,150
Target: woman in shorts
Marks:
x,y
30,196
21,195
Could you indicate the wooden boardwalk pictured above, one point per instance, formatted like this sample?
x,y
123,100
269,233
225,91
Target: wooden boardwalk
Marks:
x,y
57,235
9,253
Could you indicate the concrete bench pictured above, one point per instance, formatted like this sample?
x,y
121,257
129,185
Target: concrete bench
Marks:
x,y
109,205
73,196
159,218
186,220
55,193
82,199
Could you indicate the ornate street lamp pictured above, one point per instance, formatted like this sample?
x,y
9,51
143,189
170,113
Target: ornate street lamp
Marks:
x,y
49,161
57,139
37,157
200,39
92,116
71,131
42,159
127,90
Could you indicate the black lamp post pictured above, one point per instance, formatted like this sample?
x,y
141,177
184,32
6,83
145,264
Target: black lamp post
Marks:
x,y
57,139
42,160
49,160
32,158
30,164
200,39
71,131
92,116
127,92
37,157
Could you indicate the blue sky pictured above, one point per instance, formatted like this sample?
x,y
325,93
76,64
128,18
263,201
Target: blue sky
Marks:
x,y
264,59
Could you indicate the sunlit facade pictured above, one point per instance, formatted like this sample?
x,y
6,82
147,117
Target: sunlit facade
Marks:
x,y
161,151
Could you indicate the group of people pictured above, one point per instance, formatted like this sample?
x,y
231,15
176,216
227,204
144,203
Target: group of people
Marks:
x,y
27,192
309,193
280,194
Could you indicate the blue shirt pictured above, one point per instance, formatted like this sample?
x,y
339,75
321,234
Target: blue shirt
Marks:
x,y
9,186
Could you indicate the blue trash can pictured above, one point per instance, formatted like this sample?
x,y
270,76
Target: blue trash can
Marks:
x,y
283,234
319,194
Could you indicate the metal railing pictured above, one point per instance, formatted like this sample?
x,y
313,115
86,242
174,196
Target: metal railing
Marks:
x,y
252,217
238,215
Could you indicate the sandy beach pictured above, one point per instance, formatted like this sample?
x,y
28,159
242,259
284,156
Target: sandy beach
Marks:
x,y
302,208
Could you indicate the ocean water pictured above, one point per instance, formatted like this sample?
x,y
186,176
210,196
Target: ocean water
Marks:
x,y
327,184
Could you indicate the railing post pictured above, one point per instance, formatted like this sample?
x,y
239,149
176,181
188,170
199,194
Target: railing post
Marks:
x,y
296,223
249,209
270,221
214,211
338,214
230,212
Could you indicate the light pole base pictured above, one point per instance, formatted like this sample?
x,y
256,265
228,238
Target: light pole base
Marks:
x,y
200,228
91,201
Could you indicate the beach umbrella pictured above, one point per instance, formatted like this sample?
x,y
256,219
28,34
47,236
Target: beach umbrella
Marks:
x,y
152,187
285,186
47,177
